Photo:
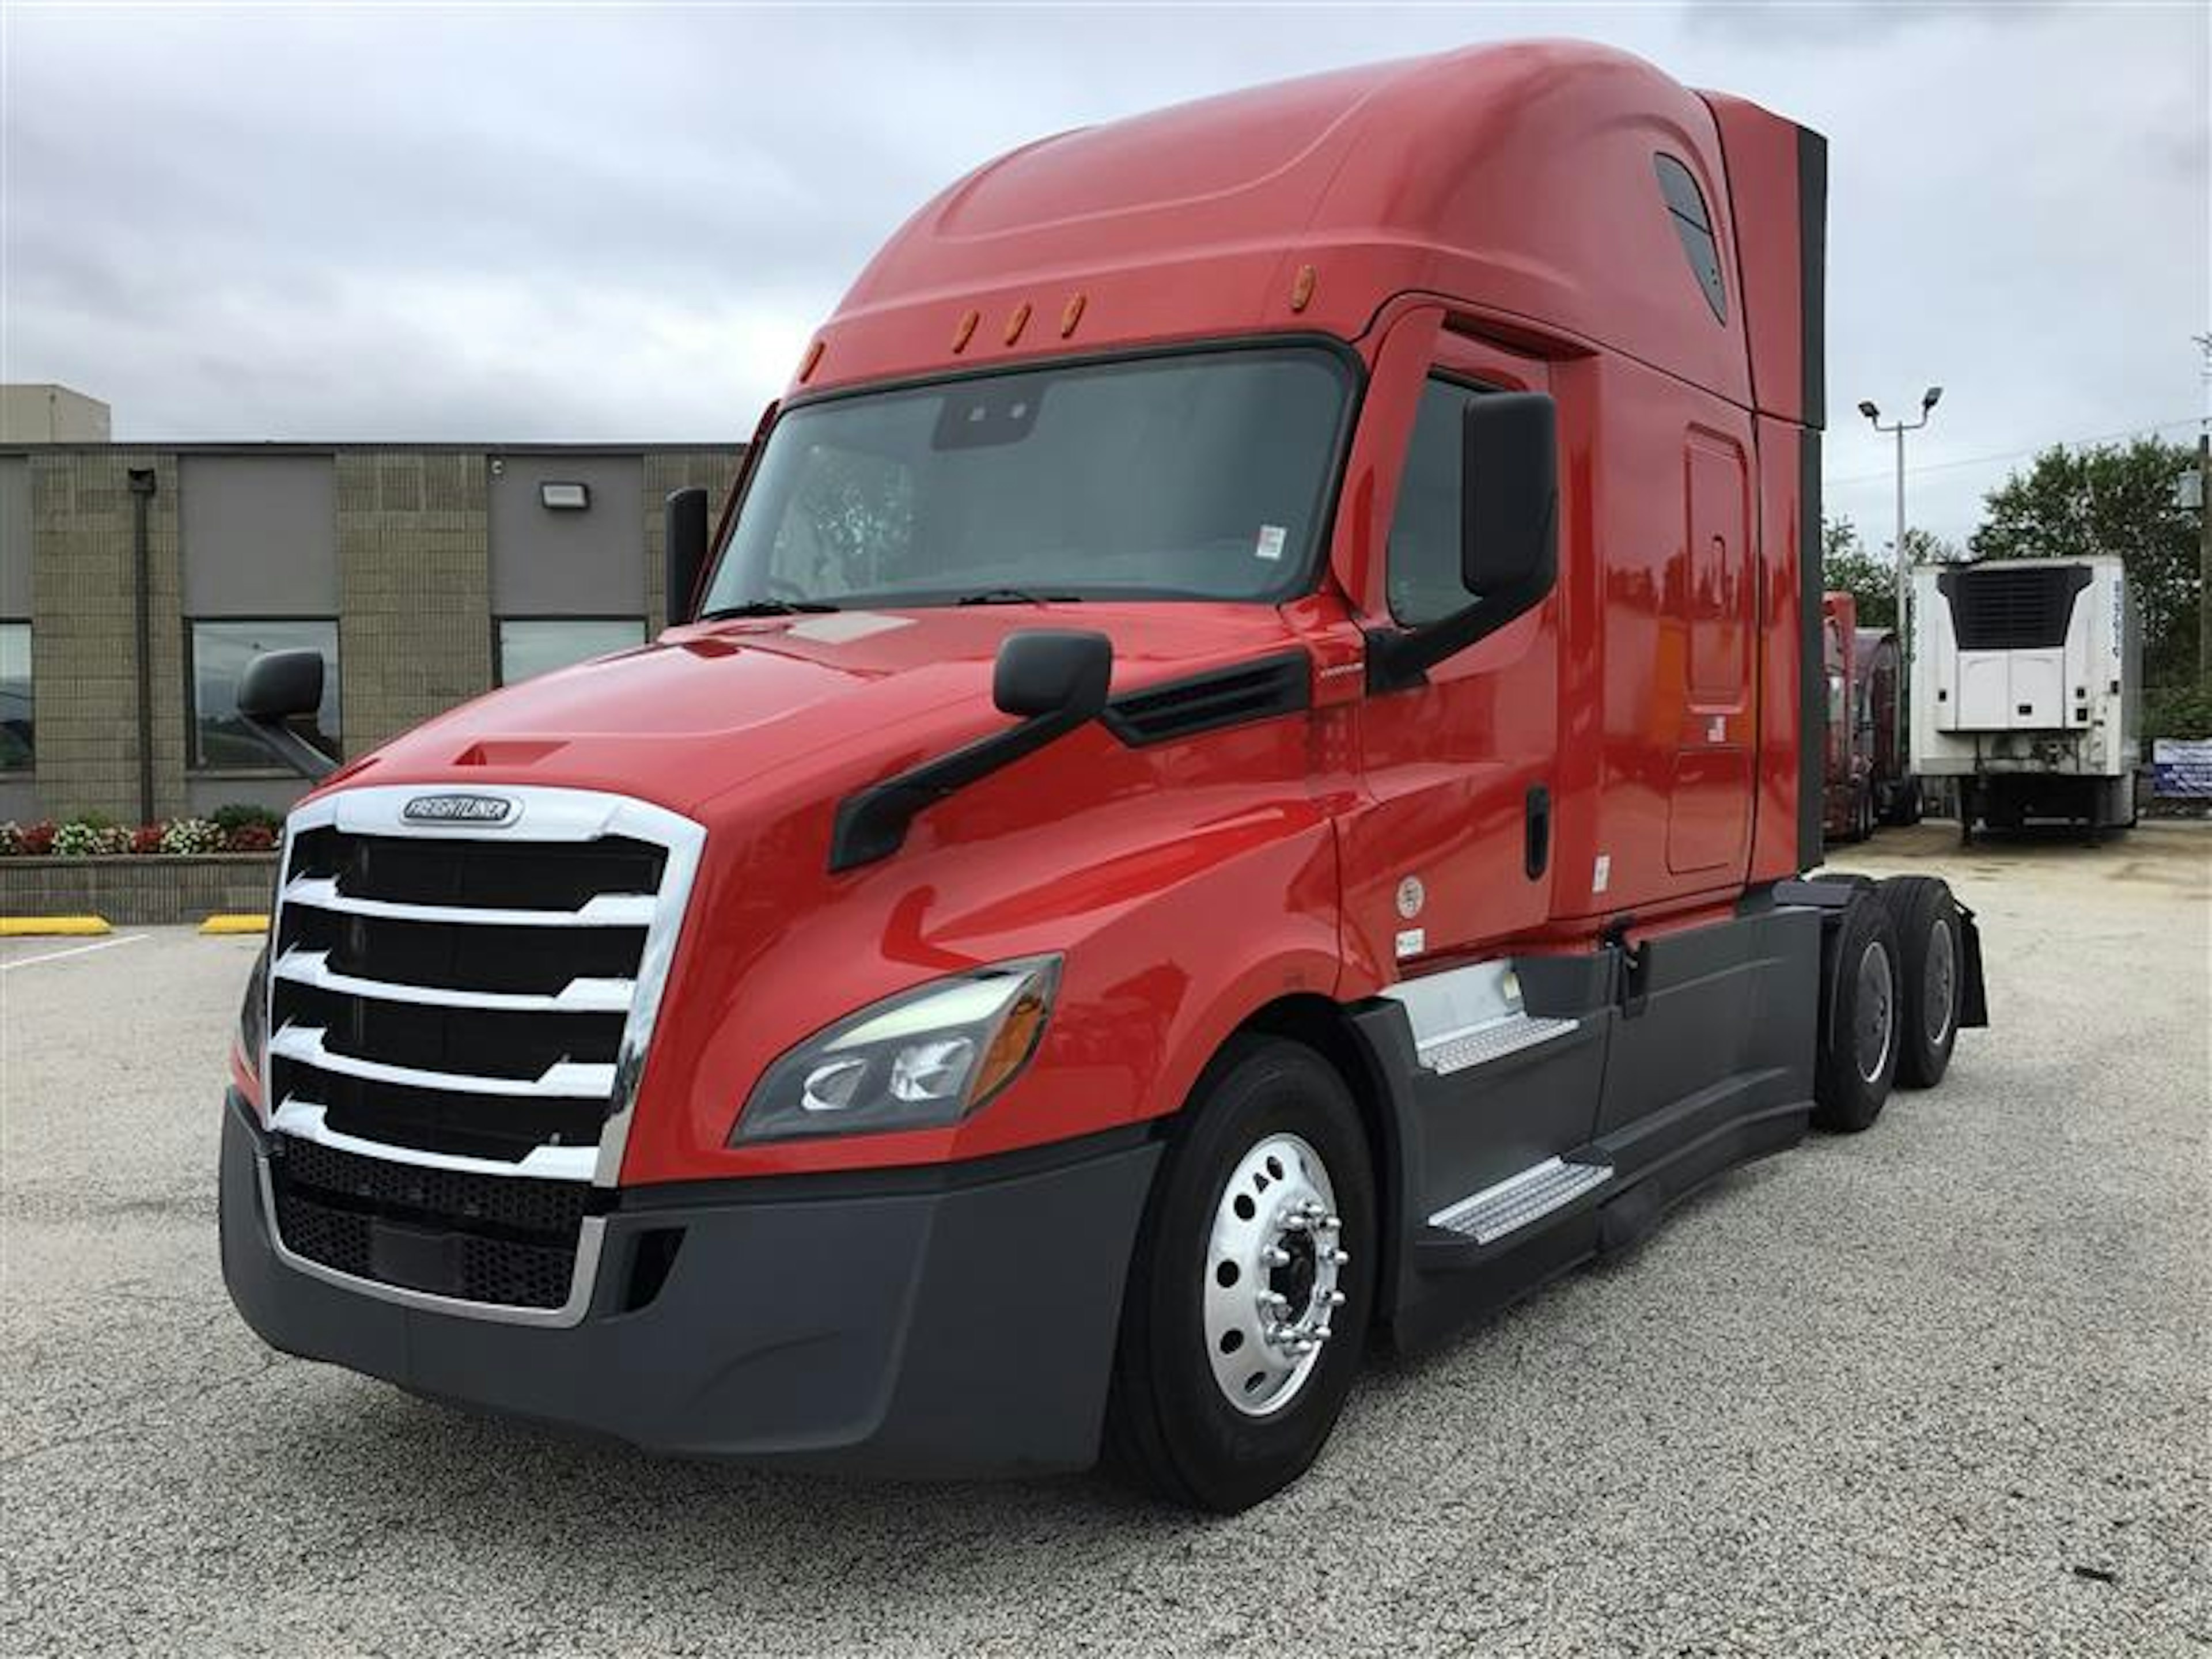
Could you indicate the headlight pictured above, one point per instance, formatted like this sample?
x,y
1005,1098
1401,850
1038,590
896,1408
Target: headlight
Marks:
x,y
253,1012
922,1059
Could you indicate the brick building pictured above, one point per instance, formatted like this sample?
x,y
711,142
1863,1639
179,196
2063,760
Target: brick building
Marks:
x,y
426,573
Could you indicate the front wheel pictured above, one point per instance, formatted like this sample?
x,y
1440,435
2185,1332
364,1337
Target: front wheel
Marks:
x,y
1252,1284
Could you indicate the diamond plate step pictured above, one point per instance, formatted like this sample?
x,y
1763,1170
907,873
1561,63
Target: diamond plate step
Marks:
x,y
1455,1051
1519,1199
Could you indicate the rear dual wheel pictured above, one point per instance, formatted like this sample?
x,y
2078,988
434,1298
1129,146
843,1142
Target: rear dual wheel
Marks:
x,y
1931,975
1858,1061
1896,984
1251,1285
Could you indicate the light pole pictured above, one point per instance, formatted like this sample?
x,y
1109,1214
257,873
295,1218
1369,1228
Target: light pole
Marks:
x,y
1928,402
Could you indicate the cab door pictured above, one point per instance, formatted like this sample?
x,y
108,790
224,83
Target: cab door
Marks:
x,y
1710,593
1452,854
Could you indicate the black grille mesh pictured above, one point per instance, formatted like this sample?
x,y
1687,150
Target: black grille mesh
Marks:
x,y
2020,608
496,1239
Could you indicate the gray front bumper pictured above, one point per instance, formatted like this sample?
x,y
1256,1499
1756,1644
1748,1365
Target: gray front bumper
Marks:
x,y
947,1321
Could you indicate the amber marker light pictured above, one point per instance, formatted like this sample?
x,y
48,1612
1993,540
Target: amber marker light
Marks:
x,y
966,330
1071,314
1301,287
813,361
1009,1050
1018,322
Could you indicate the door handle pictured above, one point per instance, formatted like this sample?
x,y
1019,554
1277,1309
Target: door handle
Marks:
x,y
1536,831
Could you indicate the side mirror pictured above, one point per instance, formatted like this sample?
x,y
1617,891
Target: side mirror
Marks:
x,y
1509,549
1509,554
1051,679
684,525
278,687
1044,672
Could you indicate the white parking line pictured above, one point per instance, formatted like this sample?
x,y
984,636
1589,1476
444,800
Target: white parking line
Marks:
x,y
74,950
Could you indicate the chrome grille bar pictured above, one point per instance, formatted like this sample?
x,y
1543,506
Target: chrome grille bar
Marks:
x,y
579,996
566,1079
606,910
305,1120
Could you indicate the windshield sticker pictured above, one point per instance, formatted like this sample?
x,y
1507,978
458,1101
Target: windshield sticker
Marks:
x,y
846,625
1272,538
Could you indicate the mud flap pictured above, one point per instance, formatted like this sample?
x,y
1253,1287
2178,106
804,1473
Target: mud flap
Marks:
x,y
1973,1000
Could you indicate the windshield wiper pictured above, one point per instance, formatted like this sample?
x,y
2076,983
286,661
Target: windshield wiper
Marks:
x,y
767,608
1017,596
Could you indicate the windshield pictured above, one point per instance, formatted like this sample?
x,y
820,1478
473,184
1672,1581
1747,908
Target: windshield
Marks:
x,y
1202,477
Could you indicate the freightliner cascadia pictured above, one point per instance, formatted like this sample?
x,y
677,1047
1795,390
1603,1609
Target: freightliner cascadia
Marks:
x,y
1233,783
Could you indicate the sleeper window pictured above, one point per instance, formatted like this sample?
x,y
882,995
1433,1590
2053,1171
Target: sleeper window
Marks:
x,y
1693,224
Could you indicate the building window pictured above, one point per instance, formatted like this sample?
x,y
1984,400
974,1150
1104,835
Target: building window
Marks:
x,y
537,647
1693,224
18,748
220,650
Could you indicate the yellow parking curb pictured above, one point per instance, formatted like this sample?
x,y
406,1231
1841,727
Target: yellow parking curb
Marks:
x,y
50,927
238,924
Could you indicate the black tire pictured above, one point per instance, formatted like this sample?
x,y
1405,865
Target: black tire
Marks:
x,y
1905,805
1850,1085
1930,975
1170,1428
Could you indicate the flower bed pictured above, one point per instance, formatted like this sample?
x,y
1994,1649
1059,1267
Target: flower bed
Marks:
x,y
183,870
241,827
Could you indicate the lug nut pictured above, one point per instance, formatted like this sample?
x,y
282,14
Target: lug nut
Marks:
x,y
1338,1258
1336,1298
1275,1256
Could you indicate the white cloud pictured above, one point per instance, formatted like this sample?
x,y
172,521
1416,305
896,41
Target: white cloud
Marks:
x,y
507,224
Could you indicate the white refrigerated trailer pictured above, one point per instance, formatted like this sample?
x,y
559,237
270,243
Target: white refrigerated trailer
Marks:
x,y
2026,680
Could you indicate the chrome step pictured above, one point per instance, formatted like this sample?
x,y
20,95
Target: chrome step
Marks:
x,y
1476,1045
1519,1199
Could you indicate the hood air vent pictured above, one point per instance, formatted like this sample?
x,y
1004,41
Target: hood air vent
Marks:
x,y
1280,684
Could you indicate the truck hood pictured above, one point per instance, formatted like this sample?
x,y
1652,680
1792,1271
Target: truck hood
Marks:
x,y
712,708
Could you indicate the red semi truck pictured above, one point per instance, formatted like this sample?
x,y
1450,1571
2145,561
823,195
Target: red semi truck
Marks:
x,y
1233,783
1869,781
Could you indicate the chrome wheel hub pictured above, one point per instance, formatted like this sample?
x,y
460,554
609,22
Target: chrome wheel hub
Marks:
x,y
1938,988
1877,1015
1271,1273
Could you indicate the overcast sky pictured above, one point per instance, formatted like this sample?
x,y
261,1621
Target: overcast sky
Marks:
x,y
621,223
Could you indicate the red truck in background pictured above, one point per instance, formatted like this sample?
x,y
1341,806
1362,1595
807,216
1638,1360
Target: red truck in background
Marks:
x,y
1869,782
1234,782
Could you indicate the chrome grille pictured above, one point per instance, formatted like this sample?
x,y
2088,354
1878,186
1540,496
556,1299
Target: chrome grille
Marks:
x,y
467,997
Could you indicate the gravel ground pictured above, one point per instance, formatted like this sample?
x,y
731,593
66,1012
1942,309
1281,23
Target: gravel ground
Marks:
x,y
1944,1387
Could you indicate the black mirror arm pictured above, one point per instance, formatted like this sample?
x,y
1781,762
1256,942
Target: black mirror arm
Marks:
x,y
289,747
1399,657
871,823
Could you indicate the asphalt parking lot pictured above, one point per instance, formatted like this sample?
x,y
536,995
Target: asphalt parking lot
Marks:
x,y
1944,1387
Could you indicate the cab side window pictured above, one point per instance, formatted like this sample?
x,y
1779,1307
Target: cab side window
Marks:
x,y
1423,563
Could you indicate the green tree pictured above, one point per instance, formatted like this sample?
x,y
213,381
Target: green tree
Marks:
x,y
1846,566
2113,499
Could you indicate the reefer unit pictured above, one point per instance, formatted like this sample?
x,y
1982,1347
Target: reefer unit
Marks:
x,y
2026,689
